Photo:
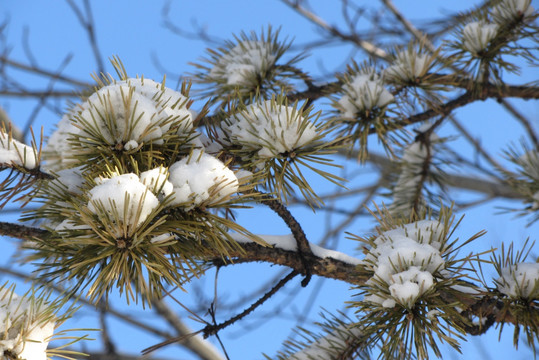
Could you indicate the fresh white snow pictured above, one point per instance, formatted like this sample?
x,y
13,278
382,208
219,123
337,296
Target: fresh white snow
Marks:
x,y
129,112
241,64
405,259
157,181
288,243
270,129
477,35
363,92
22,331
124,198
15,152
520,281
507,11
201,178
142,109
408,65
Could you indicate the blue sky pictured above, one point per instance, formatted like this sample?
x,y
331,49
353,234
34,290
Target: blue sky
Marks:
x,y
134,31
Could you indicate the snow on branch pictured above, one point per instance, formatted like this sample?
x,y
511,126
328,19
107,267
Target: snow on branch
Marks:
x,y
252,64
518,290
417,168
416,279
334,345
288,243
29,323
278,141
124,115
13,152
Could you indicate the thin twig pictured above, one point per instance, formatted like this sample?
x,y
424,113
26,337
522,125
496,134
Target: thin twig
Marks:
x,y
109,346
368,47
43,98
87,22
38,93
214,329
40,71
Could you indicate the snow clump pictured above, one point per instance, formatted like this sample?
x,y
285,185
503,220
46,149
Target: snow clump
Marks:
x,y
413,160
70,180
408,66
330,346
520,281
530,164
477,35
507,11
124,198
125,113
201,179
244,63
404,261
530,169
157,181
269,129
15,152
362,93
25,332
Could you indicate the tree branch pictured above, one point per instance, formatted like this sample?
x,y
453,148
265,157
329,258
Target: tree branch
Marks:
x,y
251,252
326,267
22,232
298,233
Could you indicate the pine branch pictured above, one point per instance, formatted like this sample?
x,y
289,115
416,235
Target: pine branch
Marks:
x,y
487,90
485,306
315,92
22,232
299,235
326,267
